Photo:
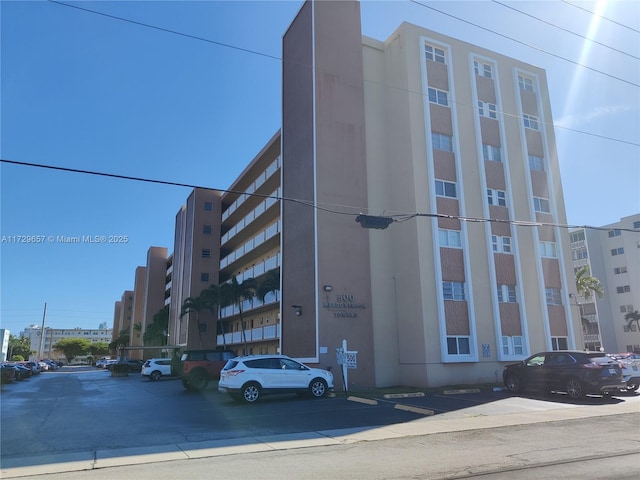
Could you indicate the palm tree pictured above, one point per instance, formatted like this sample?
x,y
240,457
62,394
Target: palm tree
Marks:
x,y
193,305
633,317
587,285
213,301
238,293
155,333
270,282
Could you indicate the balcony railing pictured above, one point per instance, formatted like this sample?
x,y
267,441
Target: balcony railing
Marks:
x,y
267,332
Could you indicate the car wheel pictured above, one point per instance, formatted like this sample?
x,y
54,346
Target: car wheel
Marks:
x,y
575,390
513,384
251,392
318,388
198,381
186,384
155,375
632,387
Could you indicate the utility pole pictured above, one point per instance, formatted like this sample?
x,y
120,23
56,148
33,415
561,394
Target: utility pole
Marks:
x,y
41,348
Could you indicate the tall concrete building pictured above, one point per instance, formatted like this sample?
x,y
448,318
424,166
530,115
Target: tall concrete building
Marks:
x,y
612,255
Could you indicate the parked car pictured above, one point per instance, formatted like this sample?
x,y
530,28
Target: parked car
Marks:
x,y
630,364
19,373
44,366
199,367
574,372
8,374
248,378
155,368
33,366
134,365
51,364
108,363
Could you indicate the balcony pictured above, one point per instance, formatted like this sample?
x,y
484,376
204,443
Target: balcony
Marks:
x,y
268,332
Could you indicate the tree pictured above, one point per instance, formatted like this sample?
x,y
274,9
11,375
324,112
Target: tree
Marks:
x,y
587,285
72,347
270,282
193,305
19,346
213,301
156,331
633,317
98,348
238,293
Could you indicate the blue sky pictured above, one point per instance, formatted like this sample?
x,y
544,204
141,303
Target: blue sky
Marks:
x,y
87,91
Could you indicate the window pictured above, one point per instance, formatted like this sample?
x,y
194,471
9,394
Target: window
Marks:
x,y
512,345
541,205
577,236
206,253
496,197
438,96
626,309
536,163
208,206
458,346
433,53
445,189
449,238
553,296
629,328
487,110
617,251
525,83
507,293
636,225
453,290
202,327
206,229
491,152
204,277
623,289
614,233
530,121
501,244
580,253
547,249
619,270
442,142
559,343
482,69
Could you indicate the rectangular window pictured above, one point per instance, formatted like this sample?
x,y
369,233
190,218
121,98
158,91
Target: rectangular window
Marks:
x,y
626,309
491,152
547,249
487,110
206,253
623,289
501,244
619,270
536,163
577,236
617,251
507,293
614,233
512,345
553,296
453,291
206,229
449,238
636,225
438,96
530,121
458,346
559,343
445,189
541,205
204,277
433,53
496,197
525,83
208,206
580,253
202,327
482,69
442,142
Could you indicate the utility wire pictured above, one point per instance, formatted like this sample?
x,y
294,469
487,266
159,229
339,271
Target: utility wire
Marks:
x,y
602,17
565,30
523,43
273,57
308,203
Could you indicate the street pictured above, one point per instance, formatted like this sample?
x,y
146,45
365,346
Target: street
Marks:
x,y
89,425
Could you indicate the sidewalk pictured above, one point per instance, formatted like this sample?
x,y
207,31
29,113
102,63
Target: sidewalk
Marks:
x,y
469,419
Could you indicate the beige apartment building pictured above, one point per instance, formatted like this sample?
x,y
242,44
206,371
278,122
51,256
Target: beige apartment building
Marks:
x,y
612,254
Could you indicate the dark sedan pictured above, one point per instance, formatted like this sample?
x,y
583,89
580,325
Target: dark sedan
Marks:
x,y
574,372
134,365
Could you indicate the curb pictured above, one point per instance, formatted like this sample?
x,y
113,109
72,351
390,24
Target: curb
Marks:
x,y
466,390
403,395
368,401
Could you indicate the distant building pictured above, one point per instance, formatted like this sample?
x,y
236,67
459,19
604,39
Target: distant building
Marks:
x,y
613,257
4,344
44,348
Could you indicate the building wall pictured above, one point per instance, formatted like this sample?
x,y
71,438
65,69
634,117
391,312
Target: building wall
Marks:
x,y
137,322
155,286
54,335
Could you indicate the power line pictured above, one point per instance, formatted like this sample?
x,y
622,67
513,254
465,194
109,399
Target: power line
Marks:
x,y
396,218
601,16
524,43
565,29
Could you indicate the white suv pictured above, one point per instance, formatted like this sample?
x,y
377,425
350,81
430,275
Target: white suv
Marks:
x,y
247,378
155,368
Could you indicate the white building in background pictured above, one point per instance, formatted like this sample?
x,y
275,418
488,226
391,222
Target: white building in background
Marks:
x,y
44,348
613,257
4,341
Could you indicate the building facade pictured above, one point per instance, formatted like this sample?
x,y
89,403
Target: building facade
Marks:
x,y
44,347
612,255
